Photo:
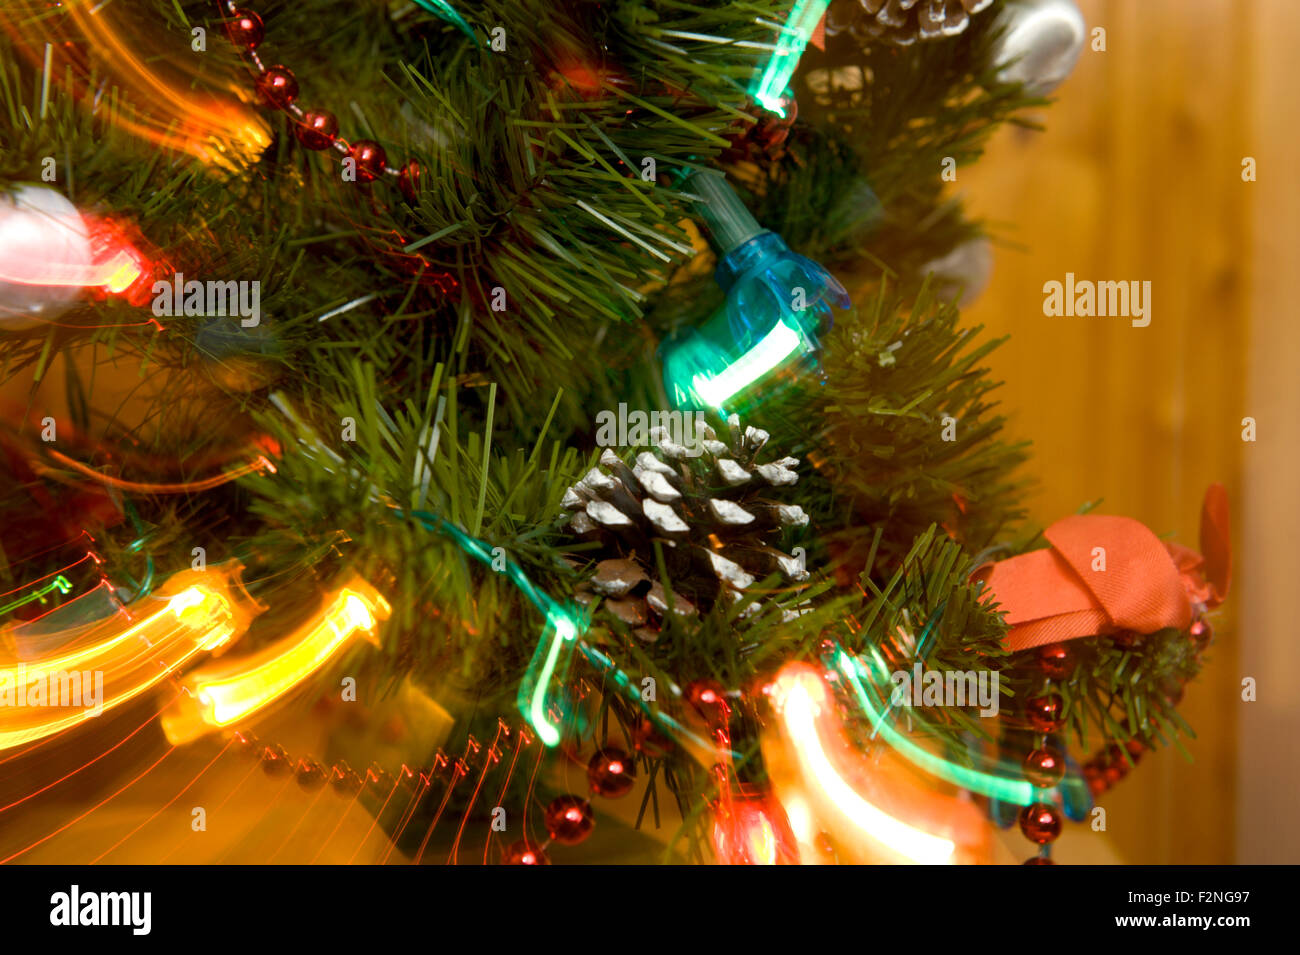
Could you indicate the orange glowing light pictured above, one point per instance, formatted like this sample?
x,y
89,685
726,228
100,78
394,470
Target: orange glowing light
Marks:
x,y
258,464
221,695
156,97
194,612
750,828
221,133
874,809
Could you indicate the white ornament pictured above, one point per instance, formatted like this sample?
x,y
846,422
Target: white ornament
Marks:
x,y
1041,42
39,230
967,268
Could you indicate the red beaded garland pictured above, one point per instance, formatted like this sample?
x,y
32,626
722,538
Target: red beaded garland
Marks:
x,y
311,774
611,773
1040,823
369,157
278,86
525,852
379,780
245,29
1118,755
569,819
317,130
1045,713
346,781
1056,660
1044,767
275,761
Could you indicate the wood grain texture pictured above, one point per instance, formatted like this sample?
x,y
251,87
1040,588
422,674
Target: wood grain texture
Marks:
x,y
1138,177
1268,828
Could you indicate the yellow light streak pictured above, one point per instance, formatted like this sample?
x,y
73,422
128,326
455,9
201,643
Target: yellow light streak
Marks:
x,y
222,132
120,658
222,695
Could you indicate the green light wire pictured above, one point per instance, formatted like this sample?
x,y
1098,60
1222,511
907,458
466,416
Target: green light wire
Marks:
x,y
440,8
994,785
771,84
552,656
563,624
143,588
59,583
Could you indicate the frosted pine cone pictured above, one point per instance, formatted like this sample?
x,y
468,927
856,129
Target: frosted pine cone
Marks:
x,y
902,22
712,515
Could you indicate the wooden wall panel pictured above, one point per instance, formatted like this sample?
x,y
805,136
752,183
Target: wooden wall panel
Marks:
x,y
1139,177
1268,758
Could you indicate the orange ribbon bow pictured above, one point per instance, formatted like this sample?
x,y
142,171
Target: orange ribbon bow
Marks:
x,y
1108,574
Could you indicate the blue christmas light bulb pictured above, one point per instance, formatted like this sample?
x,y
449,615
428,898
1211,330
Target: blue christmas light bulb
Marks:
x,y
777,304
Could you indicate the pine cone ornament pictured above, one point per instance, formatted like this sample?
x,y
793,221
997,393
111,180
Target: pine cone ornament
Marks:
x,y
764,140
901,22
711,508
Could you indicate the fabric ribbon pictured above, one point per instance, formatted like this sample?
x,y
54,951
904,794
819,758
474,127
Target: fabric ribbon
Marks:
x,y
1104,575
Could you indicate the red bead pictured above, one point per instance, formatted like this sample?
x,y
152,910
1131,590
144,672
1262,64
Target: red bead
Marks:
x,y
275,761
525,852
345,780
709,700
1045,713
1044,767
317,129
611,773
369,158
1056,660
379,780
245,29
311,774
1039,860
409,181
1135,749
569,819
249,745
1040,823
649,739
1202,633
278,86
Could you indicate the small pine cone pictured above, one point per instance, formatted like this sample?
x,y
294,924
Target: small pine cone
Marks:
x,y
763,140
711,514
902,22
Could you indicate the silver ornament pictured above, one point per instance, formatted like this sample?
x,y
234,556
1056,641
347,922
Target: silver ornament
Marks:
x,y
1040,43
38,228
965,270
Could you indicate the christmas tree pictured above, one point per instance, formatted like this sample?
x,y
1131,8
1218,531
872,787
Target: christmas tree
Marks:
x,y
573,383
